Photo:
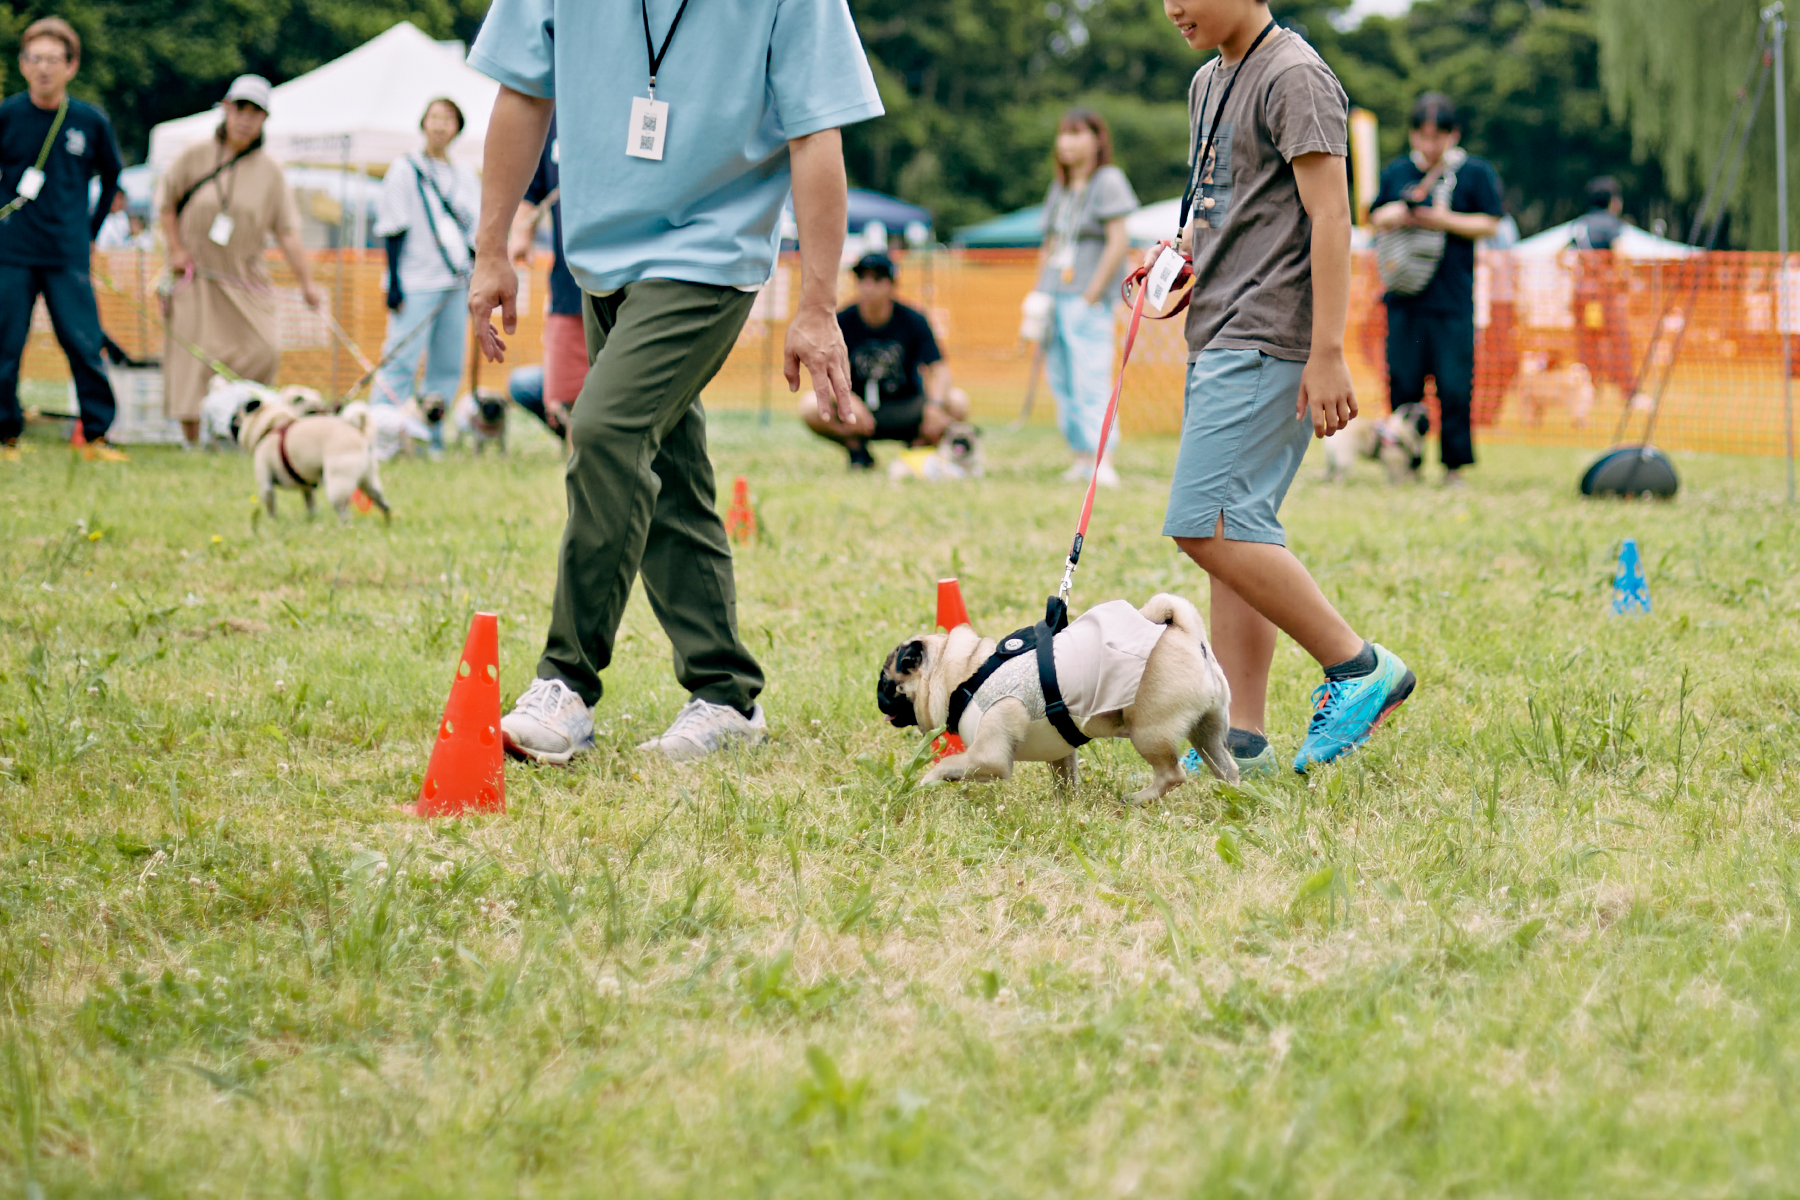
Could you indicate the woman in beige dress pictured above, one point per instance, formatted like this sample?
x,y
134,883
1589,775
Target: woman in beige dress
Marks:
x,y
220,202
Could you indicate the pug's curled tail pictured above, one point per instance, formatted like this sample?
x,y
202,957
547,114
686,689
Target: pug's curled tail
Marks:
x,y
1165,609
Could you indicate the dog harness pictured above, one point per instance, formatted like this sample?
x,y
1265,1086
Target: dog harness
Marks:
x,y
287,464
1104,653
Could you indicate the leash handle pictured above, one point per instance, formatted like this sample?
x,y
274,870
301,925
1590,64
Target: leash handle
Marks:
x,y
1106,424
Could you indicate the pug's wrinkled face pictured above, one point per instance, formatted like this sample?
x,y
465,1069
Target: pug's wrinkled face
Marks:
x,y
898,681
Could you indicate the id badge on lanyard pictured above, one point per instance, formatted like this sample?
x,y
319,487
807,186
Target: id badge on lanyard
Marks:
x,y
220,233
31,183
1062,258
648,131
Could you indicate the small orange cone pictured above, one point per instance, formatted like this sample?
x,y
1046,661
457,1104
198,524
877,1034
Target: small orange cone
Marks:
x,y
740,518
362,502
78,439
951,612
467,768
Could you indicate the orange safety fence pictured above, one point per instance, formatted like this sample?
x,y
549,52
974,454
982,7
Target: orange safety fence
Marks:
x,y
1559,340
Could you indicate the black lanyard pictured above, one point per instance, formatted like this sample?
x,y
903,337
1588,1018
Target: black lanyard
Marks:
x,y
1195,183
650,52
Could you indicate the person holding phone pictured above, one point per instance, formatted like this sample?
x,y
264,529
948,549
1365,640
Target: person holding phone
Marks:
x,y
1439,186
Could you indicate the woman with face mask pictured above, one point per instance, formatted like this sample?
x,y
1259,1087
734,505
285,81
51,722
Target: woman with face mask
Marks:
x,y
427,215
220,202
1080,268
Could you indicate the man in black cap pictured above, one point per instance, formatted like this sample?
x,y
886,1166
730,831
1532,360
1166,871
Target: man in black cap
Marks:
x,y
900,378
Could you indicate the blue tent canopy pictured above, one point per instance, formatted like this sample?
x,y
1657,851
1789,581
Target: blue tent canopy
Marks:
x,y
1022,228
866,206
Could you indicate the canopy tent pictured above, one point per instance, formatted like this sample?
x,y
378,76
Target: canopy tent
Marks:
x,y
1022,228
362,109
866,207
1633,243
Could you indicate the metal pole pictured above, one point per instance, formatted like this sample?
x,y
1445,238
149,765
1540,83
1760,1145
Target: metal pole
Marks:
x,y
1775,15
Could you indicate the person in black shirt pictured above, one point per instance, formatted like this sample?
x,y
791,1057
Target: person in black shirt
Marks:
x,y
50,145
900,379
549,391
1602,338
1433,333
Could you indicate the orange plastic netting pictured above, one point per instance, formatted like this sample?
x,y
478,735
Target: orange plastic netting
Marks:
x,y
1560,339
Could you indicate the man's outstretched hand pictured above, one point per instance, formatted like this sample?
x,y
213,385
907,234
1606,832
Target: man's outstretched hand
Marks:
x,y
494,284
815,341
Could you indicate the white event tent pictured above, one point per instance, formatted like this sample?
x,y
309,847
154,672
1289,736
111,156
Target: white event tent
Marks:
x,y
360,110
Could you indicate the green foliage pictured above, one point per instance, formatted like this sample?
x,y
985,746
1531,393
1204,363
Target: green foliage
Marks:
x,y
1672,70
146,61
974,88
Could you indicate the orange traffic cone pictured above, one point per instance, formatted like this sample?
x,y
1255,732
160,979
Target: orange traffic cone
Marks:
x,y
951,612
740,518
78,439
467,767
361,500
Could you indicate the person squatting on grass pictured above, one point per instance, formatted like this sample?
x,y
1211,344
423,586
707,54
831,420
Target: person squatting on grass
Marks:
x,y
426,215
900,381
220,201
1270,240
50,145
1080,269
670,230
1433,333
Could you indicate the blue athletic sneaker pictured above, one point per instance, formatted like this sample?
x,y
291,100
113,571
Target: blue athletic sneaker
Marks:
x,y
1346,711
1257,766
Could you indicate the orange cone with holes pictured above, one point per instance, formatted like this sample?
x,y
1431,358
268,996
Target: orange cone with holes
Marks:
x,y
951,612
467,768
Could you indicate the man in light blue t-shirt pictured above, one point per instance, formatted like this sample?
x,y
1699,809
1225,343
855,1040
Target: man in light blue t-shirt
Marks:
x,y
681,134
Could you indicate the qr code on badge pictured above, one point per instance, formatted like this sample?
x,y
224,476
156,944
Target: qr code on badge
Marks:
x,y
647,142
650,122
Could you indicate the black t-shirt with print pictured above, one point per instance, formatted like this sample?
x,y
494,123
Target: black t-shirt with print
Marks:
x,y
55,229
891,355
1478,190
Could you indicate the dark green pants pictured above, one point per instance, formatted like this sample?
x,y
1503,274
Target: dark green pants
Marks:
x,y
641,492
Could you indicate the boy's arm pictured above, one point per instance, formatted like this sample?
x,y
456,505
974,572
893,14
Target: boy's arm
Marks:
x,y
1325,388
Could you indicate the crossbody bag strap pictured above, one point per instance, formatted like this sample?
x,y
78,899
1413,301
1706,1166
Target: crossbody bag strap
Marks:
x,y
18,202
420,179
213,174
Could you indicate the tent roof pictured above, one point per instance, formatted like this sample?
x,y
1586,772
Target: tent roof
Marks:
x,y
1632,243
368,102
1022,228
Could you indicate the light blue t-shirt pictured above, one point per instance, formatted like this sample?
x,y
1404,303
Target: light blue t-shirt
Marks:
x,y
741,77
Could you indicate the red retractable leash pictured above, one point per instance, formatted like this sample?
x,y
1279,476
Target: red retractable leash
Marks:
x,y
1057,612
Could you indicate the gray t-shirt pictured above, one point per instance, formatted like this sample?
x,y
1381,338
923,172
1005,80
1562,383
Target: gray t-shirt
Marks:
x,y
1253,250
1075,229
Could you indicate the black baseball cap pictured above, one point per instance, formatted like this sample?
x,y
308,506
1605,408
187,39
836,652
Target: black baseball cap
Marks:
x,y
875,263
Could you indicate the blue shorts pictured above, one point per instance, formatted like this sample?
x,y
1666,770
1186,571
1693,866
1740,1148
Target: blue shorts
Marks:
x,y
1240,447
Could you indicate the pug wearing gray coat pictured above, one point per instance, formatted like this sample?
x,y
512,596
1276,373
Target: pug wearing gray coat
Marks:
x,y
1144,674
309,452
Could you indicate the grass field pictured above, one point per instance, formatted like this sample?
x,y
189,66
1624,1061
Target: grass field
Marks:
x,y
1534,941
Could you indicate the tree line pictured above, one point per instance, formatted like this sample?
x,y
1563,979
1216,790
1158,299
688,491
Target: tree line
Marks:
x,y
1554,91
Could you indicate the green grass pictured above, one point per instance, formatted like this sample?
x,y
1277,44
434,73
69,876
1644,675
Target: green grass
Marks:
x,y
1535,940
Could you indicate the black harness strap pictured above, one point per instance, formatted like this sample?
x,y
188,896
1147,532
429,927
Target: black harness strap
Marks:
x,y
1009,647
1054,708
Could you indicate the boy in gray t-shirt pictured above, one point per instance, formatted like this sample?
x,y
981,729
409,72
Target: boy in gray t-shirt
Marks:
x,y
1270,241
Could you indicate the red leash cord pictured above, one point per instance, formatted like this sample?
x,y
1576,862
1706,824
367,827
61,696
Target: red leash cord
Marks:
x,y
1133,282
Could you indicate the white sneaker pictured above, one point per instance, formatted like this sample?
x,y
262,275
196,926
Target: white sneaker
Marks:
x,y
703,728
548,724
1106,477
1078,471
